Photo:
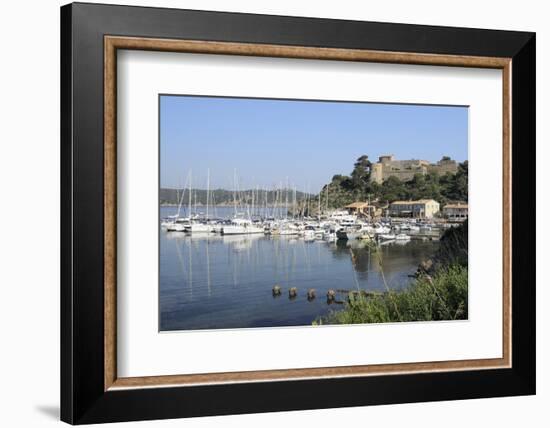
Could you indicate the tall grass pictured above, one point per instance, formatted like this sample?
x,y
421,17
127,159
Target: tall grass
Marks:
x,y
443,296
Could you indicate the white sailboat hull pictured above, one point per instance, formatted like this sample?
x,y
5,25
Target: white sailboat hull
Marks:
x,y
286,232
309,234
241,230
176,227
200,228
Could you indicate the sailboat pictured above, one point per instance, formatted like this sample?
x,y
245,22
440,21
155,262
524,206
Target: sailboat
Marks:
x,y
178,225
309,232
240,225
175,223
285,228
202,226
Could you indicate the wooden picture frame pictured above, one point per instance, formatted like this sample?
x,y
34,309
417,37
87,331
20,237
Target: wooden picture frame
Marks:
x,y
91,390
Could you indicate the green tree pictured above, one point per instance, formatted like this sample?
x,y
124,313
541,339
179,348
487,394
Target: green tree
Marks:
x,y
393,189
361,173
458,187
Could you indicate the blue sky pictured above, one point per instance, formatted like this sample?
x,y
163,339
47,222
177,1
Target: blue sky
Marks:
x,y
267,141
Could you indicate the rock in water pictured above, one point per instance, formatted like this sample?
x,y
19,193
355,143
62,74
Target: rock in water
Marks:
x,y
426,265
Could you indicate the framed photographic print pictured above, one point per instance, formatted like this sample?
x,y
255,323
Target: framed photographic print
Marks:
x,y
265,213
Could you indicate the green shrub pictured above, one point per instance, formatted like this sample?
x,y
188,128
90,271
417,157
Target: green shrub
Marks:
x,y
444,296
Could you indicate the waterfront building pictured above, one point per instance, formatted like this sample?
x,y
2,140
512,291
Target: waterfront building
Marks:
x,y
457,211
423,208
405,170
361,209
371,209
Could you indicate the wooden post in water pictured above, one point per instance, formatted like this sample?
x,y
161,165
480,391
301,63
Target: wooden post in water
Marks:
x,y
292,293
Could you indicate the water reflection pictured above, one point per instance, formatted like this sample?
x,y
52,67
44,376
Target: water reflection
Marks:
x,y
214,281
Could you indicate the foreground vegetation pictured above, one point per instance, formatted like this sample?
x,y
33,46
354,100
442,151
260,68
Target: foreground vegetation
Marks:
x,y
441,297
440,291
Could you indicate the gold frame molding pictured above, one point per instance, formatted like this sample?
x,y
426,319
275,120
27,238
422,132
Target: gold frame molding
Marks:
x,y
113,43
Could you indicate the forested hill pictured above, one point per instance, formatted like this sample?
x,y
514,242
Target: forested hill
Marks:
x,y
345,189
226,197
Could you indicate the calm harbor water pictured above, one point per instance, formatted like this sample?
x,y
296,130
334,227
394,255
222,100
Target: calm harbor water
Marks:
x,y
214,281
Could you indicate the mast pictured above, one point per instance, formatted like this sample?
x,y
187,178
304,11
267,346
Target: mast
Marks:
x,y
180,200
259,201
235,191
244,198
308,199
190,192
207,190
266,213
279,200
286,199
254,201
178,196
294,204
213,202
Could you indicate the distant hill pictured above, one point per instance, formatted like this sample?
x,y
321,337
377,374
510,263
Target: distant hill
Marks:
x,y
226,197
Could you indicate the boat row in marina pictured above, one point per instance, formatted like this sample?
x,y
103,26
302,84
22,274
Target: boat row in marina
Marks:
x,y
329,229
243,226
336,225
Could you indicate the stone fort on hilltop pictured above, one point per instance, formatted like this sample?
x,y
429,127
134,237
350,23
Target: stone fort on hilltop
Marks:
x,y
405,170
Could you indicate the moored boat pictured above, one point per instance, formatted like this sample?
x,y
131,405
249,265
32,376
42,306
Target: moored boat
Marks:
x,y
402,237
240,226
199,228
178,225
309,232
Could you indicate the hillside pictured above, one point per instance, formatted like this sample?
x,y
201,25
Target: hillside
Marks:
x,y
345,189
